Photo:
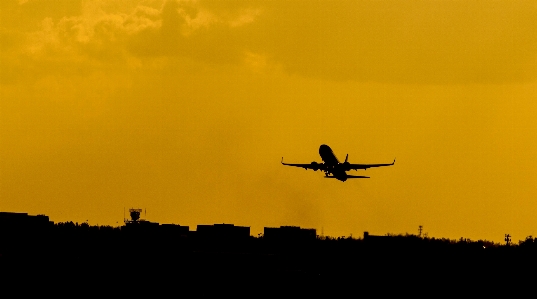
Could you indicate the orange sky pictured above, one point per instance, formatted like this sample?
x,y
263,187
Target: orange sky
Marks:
x,y
186,108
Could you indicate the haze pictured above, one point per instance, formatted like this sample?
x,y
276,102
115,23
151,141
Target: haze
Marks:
x,y
186,108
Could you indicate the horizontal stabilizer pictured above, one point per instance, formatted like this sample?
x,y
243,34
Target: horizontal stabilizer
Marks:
x,y
349,177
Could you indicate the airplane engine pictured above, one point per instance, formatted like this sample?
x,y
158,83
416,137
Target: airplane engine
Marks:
x,y
315,165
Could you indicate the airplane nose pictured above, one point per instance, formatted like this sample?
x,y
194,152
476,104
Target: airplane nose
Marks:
x,y
324,149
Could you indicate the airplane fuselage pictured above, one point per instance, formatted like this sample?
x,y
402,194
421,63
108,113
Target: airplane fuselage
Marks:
x,y
332,163
328,155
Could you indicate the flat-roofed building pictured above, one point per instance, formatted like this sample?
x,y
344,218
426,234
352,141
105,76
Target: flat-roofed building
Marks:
x,y
289,234
22,234
174,229
23,222
222,231
141,225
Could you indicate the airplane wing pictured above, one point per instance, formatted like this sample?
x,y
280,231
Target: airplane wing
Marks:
x,y
366,166
313,165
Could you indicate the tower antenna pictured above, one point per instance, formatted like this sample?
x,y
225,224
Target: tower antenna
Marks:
x,y
507,239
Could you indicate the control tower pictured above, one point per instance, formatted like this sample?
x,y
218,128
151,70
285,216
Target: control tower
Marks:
x,y
135,216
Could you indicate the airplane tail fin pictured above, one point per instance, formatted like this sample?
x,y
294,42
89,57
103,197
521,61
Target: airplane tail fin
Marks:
x,y
347,158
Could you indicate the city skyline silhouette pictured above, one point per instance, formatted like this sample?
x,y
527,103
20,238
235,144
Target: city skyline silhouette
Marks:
x,y
160,258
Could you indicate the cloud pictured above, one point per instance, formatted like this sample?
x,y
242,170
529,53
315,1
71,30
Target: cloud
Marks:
x,y
98,34
432,42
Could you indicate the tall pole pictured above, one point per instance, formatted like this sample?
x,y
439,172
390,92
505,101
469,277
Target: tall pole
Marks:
x,y
507,239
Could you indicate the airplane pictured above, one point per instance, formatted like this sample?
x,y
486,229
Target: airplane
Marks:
x,y
334,169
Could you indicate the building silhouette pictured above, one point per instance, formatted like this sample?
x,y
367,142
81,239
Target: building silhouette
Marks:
x,y
11,220
19,225
289,234
174,229
222,232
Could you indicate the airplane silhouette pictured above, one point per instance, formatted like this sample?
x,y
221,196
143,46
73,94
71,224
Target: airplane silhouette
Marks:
x,y
332,165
